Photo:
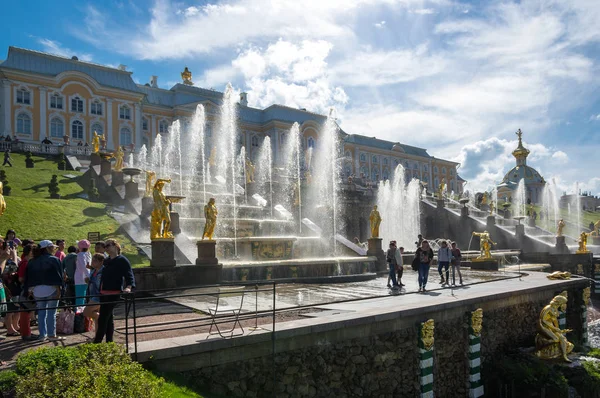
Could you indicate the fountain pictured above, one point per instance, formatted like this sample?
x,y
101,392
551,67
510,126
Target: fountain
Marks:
x,y
519,199
264,171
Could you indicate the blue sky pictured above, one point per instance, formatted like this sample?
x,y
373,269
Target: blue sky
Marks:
x,y
458,78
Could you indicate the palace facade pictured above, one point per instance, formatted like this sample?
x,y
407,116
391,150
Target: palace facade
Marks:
x,y
66,100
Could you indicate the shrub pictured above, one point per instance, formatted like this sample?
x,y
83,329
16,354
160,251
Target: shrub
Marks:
x,y
8,381
62,162
88,370
585,378
53,187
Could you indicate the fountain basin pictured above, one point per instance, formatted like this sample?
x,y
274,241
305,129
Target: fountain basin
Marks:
x,y
258,248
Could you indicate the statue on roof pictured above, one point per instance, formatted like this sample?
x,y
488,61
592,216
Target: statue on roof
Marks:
x,y
186,76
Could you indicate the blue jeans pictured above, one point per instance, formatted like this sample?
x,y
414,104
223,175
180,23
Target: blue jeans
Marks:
x,y
393,274
46,317
443,265
423,274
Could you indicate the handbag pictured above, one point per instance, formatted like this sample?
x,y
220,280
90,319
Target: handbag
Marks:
x,y
65,321
415,263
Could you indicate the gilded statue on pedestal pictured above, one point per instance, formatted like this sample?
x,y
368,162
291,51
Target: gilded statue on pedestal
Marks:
x,y
186,76
96,143
119,155
160,214
583,243
560,227
484,198
249,171
550,341
210,213
485,245
441,189
2,201
375,219
150,177
477,321
427,334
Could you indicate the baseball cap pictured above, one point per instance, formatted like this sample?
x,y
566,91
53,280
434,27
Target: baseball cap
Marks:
x,y
46,243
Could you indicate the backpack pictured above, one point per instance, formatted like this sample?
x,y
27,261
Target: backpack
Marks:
x,y
415,263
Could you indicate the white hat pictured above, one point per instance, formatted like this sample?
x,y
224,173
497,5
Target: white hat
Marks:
x,y
46,243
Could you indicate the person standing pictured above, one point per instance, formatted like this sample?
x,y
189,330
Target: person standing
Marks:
x,y
392,264
400,267
117,278
7,158
69,264
82,272
424,254
444,256
25,318
456,260
44,278
60,253
93,306
99,248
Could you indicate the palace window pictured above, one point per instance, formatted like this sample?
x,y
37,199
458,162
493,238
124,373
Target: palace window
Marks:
x,y
96,108
23,96
452,185
57,128
443,170
348,155
425,168
124,112
385,174
23,124
56,101
385,162
311,142
145,124
97,127
374,159
163,127
435,170
77,130
451,172
125,136
363,172
363,157
254,141
76,104
416,166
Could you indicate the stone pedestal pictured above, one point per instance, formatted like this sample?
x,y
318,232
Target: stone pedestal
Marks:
x,y
520,230
507,214
374,249
490,222
531,222
163,253
561,246
117,178
175,223
485,265
464,211
131,192
147,203
440,203
207,252
105,167
95,159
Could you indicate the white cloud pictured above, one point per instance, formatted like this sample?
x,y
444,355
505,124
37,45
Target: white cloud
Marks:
x,y
423,11
595,117
560,157
55,47
380,25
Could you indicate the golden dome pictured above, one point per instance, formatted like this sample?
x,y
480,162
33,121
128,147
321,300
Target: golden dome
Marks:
x,y
521,152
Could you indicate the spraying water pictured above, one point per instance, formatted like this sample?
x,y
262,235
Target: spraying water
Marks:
x,y
264,165
291,184
142,158
242,165
519,200
229,136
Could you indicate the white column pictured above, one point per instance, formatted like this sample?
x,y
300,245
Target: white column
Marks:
x,y
43,106
138,126
7,107
109,125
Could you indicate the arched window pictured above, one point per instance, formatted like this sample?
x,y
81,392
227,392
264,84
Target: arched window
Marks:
x,y
385,162
451,172
435,170
364,172
254,141
125,136
77,130
363,157
23,124
23,96
374,159
443,170
163,127
385,174
124,112
96,108
416,166
425,178
145,124
57,128
374,174
425,168
97,127
452,185
76,105
311,142
56,101
436,182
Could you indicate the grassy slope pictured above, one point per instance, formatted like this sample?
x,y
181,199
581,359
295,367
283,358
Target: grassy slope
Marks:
x,y
33,215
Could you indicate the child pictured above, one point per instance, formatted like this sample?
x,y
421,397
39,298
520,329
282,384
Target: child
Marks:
x,y
92,310
82,273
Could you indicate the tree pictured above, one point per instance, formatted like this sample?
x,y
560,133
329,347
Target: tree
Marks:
x,y
53,188
28,160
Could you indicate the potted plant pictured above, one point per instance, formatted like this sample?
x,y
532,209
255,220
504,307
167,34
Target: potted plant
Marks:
x,y
28,160
62,162
53,188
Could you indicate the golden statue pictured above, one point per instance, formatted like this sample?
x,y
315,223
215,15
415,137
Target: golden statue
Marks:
x,y
249,171
96,143
492,208
2,201
484,198
441,189
586,296
161,213
186,76
583,243
210,213
427,329
150,177
559,275
485,245
477,321
560,227
550,341
375,219
119,155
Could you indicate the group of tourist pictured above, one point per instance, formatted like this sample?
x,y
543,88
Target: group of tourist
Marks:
x,y
38,278
447,257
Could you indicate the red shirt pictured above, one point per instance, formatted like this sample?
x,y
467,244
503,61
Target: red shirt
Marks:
x,y
21,272
60,255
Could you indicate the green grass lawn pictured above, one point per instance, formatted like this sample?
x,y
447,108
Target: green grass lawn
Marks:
x,y
33,215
